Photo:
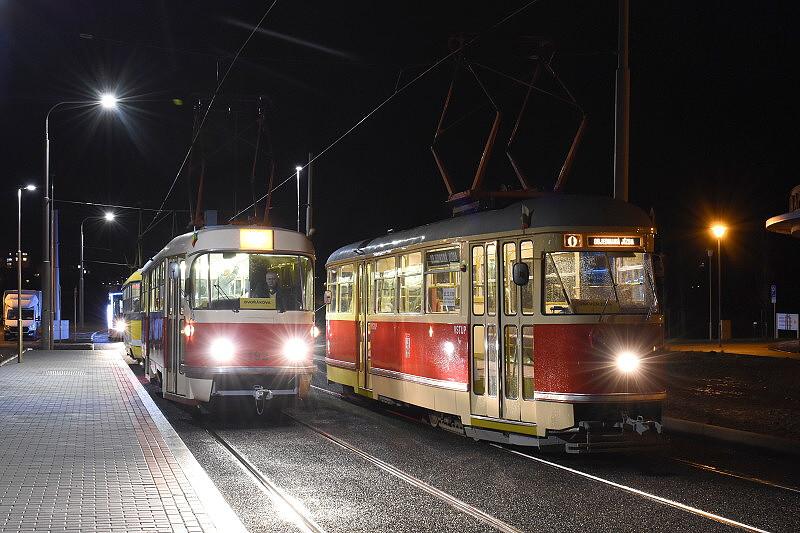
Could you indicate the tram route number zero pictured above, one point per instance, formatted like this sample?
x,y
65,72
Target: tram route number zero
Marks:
x,y
460,330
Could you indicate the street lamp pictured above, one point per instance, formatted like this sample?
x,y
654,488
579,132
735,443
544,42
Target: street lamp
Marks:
x,y
19,268
719,231
108,217
106,101
298,169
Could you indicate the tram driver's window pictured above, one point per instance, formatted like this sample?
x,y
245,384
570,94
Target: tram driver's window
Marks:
x,y
385,284
200,282
443,281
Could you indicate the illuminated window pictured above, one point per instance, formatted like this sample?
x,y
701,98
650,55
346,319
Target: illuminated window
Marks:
x,y
491,279
509,289
443,280
331,286
346,284
385,284
478,281
410,280
526,291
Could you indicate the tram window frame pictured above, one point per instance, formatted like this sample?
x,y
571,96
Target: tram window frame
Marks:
x,y
384,280
511,340
430,273
510,303
491,279
526,292
340,285
481,283
406,271
476,341
331,285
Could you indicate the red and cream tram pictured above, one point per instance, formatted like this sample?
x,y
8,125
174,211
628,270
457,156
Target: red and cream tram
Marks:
x,y
229,312
537,324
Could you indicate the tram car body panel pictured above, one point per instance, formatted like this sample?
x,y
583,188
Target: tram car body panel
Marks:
x,y
131,325
433,317
229,312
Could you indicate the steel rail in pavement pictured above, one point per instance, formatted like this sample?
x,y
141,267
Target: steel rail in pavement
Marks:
x,y
301,518
449,499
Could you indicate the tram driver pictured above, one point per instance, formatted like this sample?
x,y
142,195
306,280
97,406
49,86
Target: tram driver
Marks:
x,y
284,297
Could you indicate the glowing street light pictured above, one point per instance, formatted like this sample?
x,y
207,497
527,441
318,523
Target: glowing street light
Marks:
x,y
108,217
106,101
718,231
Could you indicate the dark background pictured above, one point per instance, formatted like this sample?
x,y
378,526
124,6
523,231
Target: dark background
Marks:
x,y
713,124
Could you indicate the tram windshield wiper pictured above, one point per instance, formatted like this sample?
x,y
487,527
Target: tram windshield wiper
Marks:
x,y
226,296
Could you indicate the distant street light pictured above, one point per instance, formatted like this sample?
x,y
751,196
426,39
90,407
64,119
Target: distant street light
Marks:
x,y
108,217
19,269
298,169
106,101
719,231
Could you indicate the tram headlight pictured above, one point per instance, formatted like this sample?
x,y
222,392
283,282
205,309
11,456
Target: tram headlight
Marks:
x,y
222,349
315,331
627,362
295,350
120,325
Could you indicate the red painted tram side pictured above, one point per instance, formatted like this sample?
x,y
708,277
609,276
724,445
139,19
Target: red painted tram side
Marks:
x,y
565,354
228,311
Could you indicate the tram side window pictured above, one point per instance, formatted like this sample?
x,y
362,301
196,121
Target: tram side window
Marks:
x,y
478,281
491,279
491,359
478,360
527,363
385,284
331,285
510,354
411,283
135,296
346,282
509,289
443,280
526,291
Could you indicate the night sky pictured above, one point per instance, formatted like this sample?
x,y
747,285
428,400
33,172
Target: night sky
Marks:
x,y
713,132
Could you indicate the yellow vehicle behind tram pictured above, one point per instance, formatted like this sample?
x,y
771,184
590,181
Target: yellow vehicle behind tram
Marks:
x,y
132,315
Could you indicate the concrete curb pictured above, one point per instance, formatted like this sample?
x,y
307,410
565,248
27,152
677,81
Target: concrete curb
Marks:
x,y
747,438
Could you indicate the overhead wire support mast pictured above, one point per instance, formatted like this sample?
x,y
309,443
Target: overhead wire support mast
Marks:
x,y
395,94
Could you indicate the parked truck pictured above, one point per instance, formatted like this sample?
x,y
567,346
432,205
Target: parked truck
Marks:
x,y
31,314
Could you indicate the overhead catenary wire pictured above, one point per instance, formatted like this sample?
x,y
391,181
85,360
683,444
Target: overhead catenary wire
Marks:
x,y
392,96
205,114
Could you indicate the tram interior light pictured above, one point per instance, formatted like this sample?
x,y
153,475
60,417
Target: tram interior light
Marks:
x,y
627,362
295,350
222,349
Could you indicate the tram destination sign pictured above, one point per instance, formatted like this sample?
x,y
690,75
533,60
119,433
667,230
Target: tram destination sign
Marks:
x,y
608,241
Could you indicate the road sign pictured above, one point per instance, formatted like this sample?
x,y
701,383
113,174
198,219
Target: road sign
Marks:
x,y
787,321
773,294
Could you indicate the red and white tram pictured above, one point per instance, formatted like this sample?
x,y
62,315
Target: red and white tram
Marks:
x,y
229,312
537,324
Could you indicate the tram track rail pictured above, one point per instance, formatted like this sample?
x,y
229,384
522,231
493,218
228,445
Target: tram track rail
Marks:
x,y
415,482
286,505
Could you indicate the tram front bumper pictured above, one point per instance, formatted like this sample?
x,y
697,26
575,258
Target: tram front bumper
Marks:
x,y
261,383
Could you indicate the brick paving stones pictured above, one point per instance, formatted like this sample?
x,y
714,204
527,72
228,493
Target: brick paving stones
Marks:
x,y
85,449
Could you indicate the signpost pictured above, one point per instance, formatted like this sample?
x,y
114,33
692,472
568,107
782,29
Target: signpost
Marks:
x,y
773,296
787,322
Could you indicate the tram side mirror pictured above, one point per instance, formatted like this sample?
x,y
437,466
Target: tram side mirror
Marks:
x,y
521,274
327,297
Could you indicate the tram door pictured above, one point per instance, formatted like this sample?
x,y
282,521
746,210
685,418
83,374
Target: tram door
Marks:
x,y
362,308
484,321
176,384
516,333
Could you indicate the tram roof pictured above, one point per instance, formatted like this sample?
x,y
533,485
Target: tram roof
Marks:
x,y
231,238
557,210
136,276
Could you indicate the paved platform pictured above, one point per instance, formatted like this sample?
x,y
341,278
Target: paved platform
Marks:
x,y
84,448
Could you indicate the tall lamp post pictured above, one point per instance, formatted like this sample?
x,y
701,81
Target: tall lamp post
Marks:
x,y
106,101
19,268
719,231
108,217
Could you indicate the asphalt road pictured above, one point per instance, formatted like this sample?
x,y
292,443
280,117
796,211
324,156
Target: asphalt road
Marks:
x,y
391,473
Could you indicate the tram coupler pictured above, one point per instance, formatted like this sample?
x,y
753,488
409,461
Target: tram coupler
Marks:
x,y
261,395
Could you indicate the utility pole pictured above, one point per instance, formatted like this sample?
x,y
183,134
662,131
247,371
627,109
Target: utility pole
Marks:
x,y
623,106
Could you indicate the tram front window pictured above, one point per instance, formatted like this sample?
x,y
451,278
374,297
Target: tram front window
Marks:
x,y
598,283
231,280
